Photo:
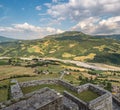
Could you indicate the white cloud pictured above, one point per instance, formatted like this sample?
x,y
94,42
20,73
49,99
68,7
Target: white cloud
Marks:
x,y
57,1
99,26
48,5
80,9
38,8
54,1
27,31
91,16
42,14
56,21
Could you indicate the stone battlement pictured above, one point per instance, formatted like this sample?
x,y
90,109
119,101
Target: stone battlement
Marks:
x,y
47,99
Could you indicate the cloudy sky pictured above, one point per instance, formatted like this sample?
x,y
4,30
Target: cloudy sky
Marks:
x,y
31,19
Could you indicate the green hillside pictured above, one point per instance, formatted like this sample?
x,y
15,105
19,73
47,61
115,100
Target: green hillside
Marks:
x,y
114,36
68,45
5,39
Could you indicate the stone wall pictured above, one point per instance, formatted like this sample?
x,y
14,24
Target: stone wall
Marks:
x,y
70,102
16,91
116,99
49,81
81,104
67,85
38,82
43,99
97,89
103,102
92,87
53,105
82,88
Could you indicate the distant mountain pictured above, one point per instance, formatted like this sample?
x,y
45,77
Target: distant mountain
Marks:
x,y
117,36
72,45
5,39
69,35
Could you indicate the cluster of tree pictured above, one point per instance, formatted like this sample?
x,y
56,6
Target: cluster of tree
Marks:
x,y
18,76
107,84
15,61
86,80
9,92
36,62
42,71
3,86
4,62
108,58
116,73
94,72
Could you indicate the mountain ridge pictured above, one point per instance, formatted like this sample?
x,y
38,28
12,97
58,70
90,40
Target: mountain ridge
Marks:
x,y
68,45
113,36
6,39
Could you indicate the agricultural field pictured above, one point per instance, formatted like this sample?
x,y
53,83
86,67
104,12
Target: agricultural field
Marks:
x,y
3,62
9,71
51,68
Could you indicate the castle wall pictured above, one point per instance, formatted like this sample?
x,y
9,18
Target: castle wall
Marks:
x,y
97,89
81,104
37,82
54,105
69,104
103,102
67,85
15,89
49,81
43,99
116,100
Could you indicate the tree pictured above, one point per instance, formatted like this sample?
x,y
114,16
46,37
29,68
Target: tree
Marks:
x,y
80,77
109,86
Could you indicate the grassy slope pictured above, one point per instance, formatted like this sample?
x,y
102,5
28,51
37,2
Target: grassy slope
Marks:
x,y
114,36
5,39
69,45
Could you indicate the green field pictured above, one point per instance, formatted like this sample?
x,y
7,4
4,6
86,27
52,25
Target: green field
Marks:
x,y
4,91
51,68
8,71
4,62
38,77
86,96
